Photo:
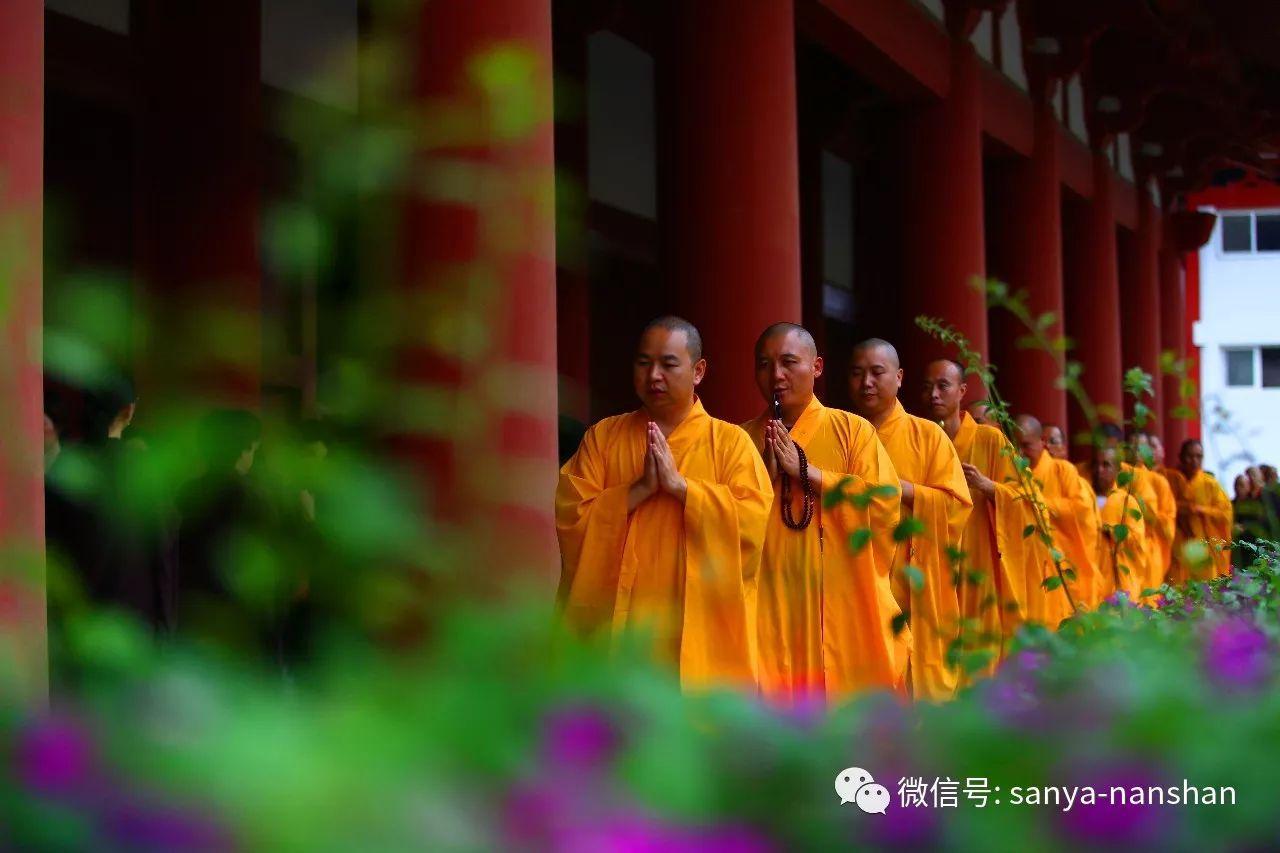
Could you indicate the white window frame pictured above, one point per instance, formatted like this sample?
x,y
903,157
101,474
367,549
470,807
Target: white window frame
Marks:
x,y
1258,368
1256,363
1254,251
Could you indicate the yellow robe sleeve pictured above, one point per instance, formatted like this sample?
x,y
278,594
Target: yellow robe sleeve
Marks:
x,y
860,648
1218,521
591,524
942,503
1013,512
725,523
1125,563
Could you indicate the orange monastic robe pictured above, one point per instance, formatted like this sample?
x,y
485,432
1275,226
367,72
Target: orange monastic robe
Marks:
x,y
1213,522
685,574
826,611
992,541
1125,569
1146,497
1161,524
925,457
1072,514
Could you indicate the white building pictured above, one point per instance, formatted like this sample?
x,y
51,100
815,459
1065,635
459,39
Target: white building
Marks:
x,y
1238,334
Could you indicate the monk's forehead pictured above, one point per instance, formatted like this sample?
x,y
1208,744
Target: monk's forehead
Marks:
x,y
659,342
943,368
788,342
875,355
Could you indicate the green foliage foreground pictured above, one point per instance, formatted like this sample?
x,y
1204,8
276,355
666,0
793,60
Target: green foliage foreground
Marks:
x,y
507,736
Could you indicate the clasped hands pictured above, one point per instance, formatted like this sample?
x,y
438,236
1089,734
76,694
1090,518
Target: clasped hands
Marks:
x,y
780,452
978,481
660,474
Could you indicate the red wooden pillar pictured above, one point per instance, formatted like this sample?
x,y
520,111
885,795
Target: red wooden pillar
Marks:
x,y
478,343
1027,254
1092,297
1191,316
1172,339
1140,300
199,171
735,214
23,655
943,218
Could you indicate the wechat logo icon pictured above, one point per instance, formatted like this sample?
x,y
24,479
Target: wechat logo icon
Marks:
x,y
855,785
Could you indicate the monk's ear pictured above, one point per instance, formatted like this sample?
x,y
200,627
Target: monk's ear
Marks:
x,y
817,367
699,371
964,389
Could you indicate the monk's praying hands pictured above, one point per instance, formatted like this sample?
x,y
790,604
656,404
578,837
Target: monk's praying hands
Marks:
x,y
784,449
669,479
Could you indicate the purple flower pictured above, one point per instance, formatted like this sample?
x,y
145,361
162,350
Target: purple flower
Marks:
x,y
579,738
1031,660
137,826
1111,817
1237,655
804,710
633,834
911,827
54,756
1119,598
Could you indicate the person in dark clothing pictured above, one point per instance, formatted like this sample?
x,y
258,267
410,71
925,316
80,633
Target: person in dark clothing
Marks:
x,y
113,541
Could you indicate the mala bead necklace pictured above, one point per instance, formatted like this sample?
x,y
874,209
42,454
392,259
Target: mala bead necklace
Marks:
x,y
807,503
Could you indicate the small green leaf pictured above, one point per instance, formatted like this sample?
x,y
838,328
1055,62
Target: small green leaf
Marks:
x,y
859,539
914,576
1124,478
1052,582
1028,530
1120,532
908,527
900,622
1135,514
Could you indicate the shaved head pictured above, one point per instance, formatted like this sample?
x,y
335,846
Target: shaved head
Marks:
x,y
1029,426
693,340
951,368
1055,441
978,410
942,391
781,329
882,345
1030,438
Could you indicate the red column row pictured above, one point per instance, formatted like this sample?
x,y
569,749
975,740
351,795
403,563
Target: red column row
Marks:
x,y
1140,301
943,242
479,242
1027,255
735,254
1092,297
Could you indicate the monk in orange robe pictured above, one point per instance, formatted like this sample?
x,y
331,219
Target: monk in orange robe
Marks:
x,y
1122,549
1073,519
935,507
1204,519
1141,482
1055,441
1161,521
661,516
826,606
993,587
978,411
